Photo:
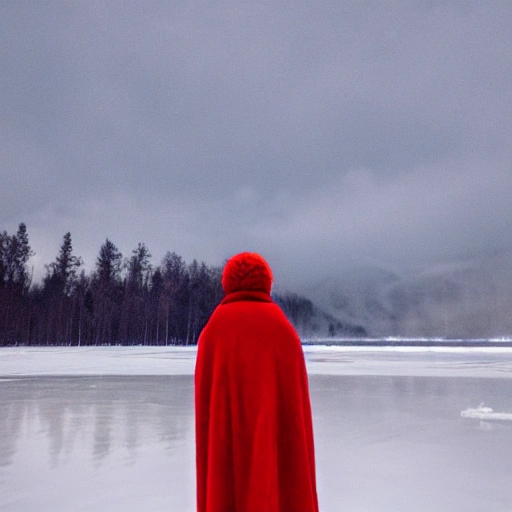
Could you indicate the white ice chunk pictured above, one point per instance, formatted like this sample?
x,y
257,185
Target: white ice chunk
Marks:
x,y
485,413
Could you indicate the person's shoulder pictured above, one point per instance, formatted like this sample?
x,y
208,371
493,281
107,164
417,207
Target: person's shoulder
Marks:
x,y
276,310
279,319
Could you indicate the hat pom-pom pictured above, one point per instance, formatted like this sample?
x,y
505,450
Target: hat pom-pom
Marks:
x,y
247,271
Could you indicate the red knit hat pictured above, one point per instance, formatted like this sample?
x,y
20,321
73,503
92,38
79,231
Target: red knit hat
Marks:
x,y
247,271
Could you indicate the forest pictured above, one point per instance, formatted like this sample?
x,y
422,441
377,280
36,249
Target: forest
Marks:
x,y
122,301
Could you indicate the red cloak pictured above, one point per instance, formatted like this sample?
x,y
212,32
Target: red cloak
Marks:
x,y
254,434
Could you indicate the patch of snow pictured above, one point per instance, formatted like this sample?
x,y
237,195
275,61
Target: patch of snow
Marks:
x,y
486,413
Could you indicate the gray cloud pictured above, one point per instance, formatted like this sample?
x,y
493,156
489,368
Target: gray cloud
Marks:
x,y
321,135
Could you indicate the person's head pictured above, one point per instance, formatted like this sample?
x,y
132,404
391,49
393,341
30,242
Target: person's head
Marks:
x,y
247,271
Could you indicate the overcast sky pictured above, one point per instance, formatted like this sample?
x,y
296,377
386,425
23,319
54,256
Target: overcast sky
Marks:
x,y
321,134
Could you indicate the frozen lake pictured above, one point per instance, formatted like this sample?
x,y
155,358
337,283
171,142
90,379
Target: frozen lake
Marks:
x,y
396,429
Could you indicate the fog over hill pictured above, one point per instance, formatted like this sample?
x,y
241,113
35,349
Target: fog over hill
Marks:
x,y
312,322
463,300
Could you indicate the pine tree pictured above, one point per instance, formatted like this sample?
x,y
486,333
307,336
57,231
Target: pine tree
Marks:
x,y
107,294
60,300
15,280
109,263
134,326
66,264
175,298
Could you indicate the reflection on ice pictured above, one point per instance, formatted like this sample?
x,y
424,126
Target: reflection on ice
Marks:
x,y
107,440
104,414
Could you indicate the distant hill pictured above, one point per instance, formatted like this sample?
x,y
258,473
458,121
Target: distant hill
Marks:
x,y
311,322
469,300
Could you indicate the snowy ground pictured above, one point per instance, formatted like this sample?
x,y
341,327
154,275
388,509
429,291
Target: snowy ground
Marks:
x,y
396,429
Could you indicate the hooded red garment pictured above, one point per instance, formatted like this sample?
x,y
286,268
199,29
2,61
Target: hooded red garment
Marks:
x,y
254,434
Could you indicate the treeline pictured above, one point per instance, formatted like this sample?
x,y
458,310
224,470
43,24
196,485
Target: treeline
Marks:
x,y
122,301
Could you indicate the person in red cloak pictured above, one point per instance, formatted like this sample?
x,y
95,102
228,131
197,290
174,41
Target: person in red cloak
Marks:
x,y
254,433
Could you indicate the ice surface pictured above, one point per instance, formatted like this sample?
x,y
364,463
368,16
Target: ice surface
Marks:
x,y
493,362
112,428
97,361
96,444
